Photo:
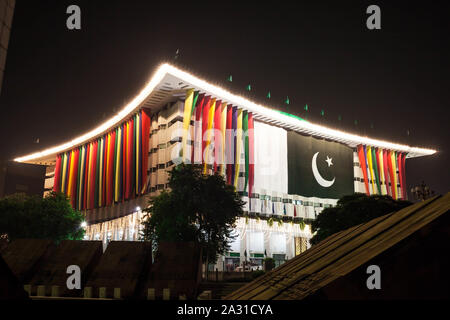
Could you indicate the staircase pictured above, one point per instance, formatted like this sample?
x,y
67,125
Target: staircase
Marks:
x,y
220,289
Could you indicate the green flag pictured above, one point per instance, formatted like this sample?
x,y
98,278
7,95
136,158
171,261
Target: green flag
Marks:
x,y
194,102
375,167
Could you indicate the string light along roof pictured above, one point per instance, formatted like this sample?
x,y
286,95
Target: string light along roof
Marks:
x,y
169,82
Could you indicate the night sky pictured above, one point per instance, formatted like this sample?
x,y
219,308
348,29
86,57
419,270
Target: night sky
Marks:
x,y
61,83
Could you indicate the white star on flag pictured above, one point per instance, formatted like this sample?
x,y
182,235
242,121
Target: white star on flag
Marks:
x,y
329,161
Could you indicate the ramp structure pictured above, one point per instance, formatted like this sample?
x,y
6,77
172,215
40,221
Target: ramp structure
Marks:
x,y
85,254
123,265
409,247
177,267
25,256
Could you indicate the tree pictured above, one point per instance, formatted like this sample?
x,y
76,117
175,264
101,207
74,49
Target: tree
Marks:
x,y
269,264
51,217
352,210
198,207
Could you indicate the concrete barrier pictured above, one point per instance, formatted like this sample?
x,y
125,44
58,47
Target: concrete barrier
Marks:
x,y
117,293
87,292
40,291
166,294
27,288
102,292
55,291
151,294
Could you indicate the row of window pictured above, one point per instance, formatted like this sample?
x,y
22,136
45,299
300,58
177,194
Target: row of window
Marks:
x,y
168,125
356,164
161,186
370,181
287,200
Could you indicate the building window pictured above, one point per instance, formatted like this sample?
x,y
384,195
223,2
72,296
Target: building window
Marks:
x,y
279,259
300,245
278,243
257,262
232,262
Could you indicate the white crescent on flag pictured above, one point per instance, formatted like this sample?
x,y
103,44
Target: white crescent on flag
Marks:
x,y
320,180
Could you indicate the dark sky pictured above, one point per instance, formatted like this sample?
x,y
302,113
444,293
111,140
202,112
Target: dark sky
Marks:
x,y
61,83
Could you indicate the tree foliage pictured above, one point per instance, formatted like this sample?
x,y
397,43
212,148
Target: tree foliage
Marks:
x,y
52,217
198,207
352,210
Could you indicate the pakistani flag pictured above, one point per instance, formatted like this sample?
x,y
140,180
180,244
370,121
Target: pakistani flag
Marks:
x,y
319,168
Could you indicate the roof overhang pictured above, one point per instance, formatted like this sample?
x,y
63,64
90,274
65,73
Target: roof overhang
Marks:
x,y
169,82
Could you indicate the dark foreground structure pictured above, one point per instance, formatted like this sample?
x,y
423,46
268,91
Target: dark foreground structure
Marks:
x,y
124,271
10,286
409,246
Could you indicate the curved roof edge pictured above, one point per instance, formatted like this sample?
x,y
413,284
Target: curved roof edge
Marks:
x,y
168,76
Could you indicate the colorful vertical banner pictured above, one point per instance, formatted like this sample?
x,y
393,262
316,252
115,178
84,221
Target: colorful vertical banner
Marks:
x,y
403,160
217,134
220,136
385,168
362,163
251,155
145,115
209,136
205,117
81,184
108,170
379,154
394,173
57,178
229,150
376,170
386,172
246,147
371,171
196,156
238,147
223,127
187,120
234,144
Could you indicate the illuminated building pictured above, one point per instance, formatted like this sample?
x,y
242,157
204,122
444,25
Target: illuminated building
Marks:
x,y
286,169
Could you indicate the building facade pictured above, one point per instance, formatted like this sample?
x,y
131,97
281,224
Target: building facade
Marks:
x,y
6,16
286,169
21,178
